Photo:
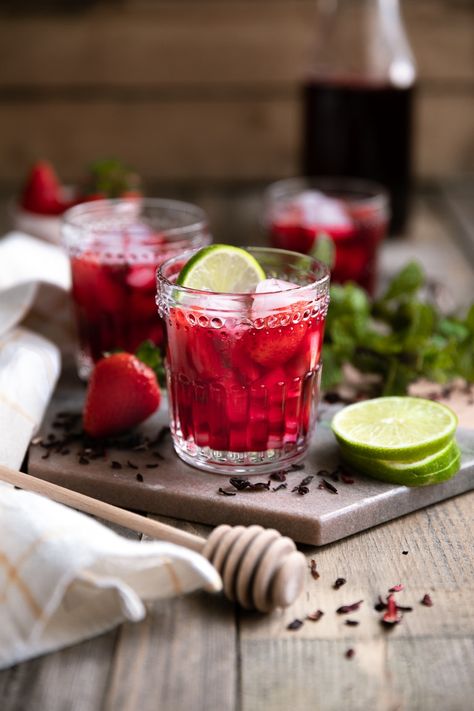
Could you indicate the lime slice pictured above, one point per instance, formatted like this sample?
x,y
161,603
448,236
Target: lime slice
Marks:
x,y
423,467
222,268
407,478
402,428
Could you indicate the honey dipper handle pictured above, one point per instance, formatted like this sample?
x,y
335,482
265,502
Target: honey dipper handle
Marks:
x,y
114,514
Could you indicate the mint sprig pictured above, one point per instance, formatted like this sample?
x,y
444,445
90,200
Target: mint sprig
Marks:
x,y
401,337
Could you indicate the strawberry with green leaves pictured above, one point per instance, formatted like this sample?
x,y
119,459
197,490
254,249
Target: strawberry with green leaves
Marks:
x,y
110,178
42,193
123,392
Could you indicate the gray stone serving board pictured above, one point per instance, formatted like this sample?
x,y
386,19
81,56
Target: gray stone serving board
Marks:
x,y
178,490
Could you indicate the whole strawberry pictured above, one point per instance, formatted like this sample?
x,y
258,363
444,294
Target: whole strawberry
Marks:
x,y
42,193
122,392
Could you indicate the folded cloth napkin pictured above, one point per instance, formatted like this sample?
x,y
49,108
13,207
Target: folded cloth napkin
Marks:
x,y
29,364
34,279
29,368
63,576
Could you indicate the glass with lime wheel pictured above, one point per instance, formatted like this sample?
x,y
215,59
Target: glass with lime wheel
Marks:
x,y
244,334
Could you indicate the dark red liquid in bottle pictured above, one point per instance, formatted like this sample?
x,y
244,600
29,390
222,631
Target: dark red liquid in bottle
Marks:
x,y
362,131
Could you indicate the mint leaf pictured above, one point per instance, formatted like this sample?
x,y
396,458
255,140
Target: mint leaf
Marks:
x,y
406,282
324,249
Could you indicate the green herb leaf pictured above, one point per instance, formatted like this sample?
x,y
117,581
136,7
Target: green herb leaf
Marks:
x,y
406,282
324,249
399,338
149,354
111,178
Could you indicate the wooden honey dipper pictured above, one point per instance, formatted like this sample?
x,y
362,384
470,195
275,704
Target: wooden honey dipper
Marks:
x,y
260,568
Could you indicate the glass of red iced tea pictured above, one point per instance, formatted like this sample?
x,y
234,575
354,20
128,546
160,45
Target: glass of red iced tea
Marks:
x,y
343,218
243,369
115,247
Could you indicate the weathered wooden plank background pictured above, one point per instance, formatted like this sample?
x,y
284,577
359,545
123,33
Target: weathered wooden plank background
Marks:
x,y
202,90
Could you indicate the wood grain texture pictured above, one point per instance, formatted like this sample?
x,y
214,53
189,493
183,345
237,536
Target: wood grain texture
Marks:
x,y
206,43
204,90
183,656
194,653
75,678
444,134
457,202
185,140
236,139
420,664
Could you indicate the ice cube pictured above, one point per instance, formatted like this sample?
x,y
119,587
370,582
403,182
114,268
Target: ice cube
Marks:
x,y
274,294
316,208
268,285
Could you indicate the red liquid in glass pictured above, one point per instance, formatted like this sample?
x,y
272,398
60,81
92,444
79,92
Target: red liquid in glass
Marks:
x,y
115,304
356,243
239,390
360,131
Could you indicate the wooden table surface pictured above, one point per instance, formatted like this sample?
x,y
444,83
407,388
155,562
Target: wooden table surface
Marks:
x,y
200,652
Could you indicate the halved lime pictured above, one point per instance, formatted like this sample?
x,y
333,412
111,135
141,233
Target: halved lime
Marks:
x,y
409,479
401,428
223,269
423,467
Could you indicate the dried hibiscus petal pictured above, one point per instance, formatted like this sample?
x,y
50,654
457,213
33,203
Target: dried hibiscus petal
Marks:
x,y
225,492
392,615
344,609
295,625
239,483
301,490
396,588
313,569
315,616
339,583
278,476
324,484
427,601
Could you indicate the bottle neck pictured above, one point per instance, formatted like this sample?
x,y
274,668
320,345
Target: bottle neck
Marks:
x,y
362,41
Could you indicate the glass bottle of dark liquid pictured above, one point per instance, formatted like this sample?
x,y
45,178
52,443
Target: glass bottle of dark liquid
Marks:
x,y
357,98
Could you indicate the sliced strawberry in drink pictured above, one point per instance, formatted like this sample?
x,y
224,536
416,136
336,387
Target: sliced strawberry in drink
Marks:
x,y
307,356
271,347
98,286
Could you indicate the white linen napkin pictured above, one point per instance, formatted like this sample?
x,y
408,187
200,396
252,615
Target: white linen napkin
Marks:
x,y
29,363
29,368
63,576
34,281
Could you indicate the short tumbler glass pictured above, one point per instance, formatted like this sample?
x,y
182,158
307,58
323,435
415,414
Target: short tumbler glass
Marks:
x,y
243,370
115,247
349,214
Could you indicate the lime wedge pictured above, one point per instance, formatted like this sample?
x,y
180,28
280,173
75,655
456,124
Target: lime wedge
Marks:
x,y
423,467
401,428
408,478
222,268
